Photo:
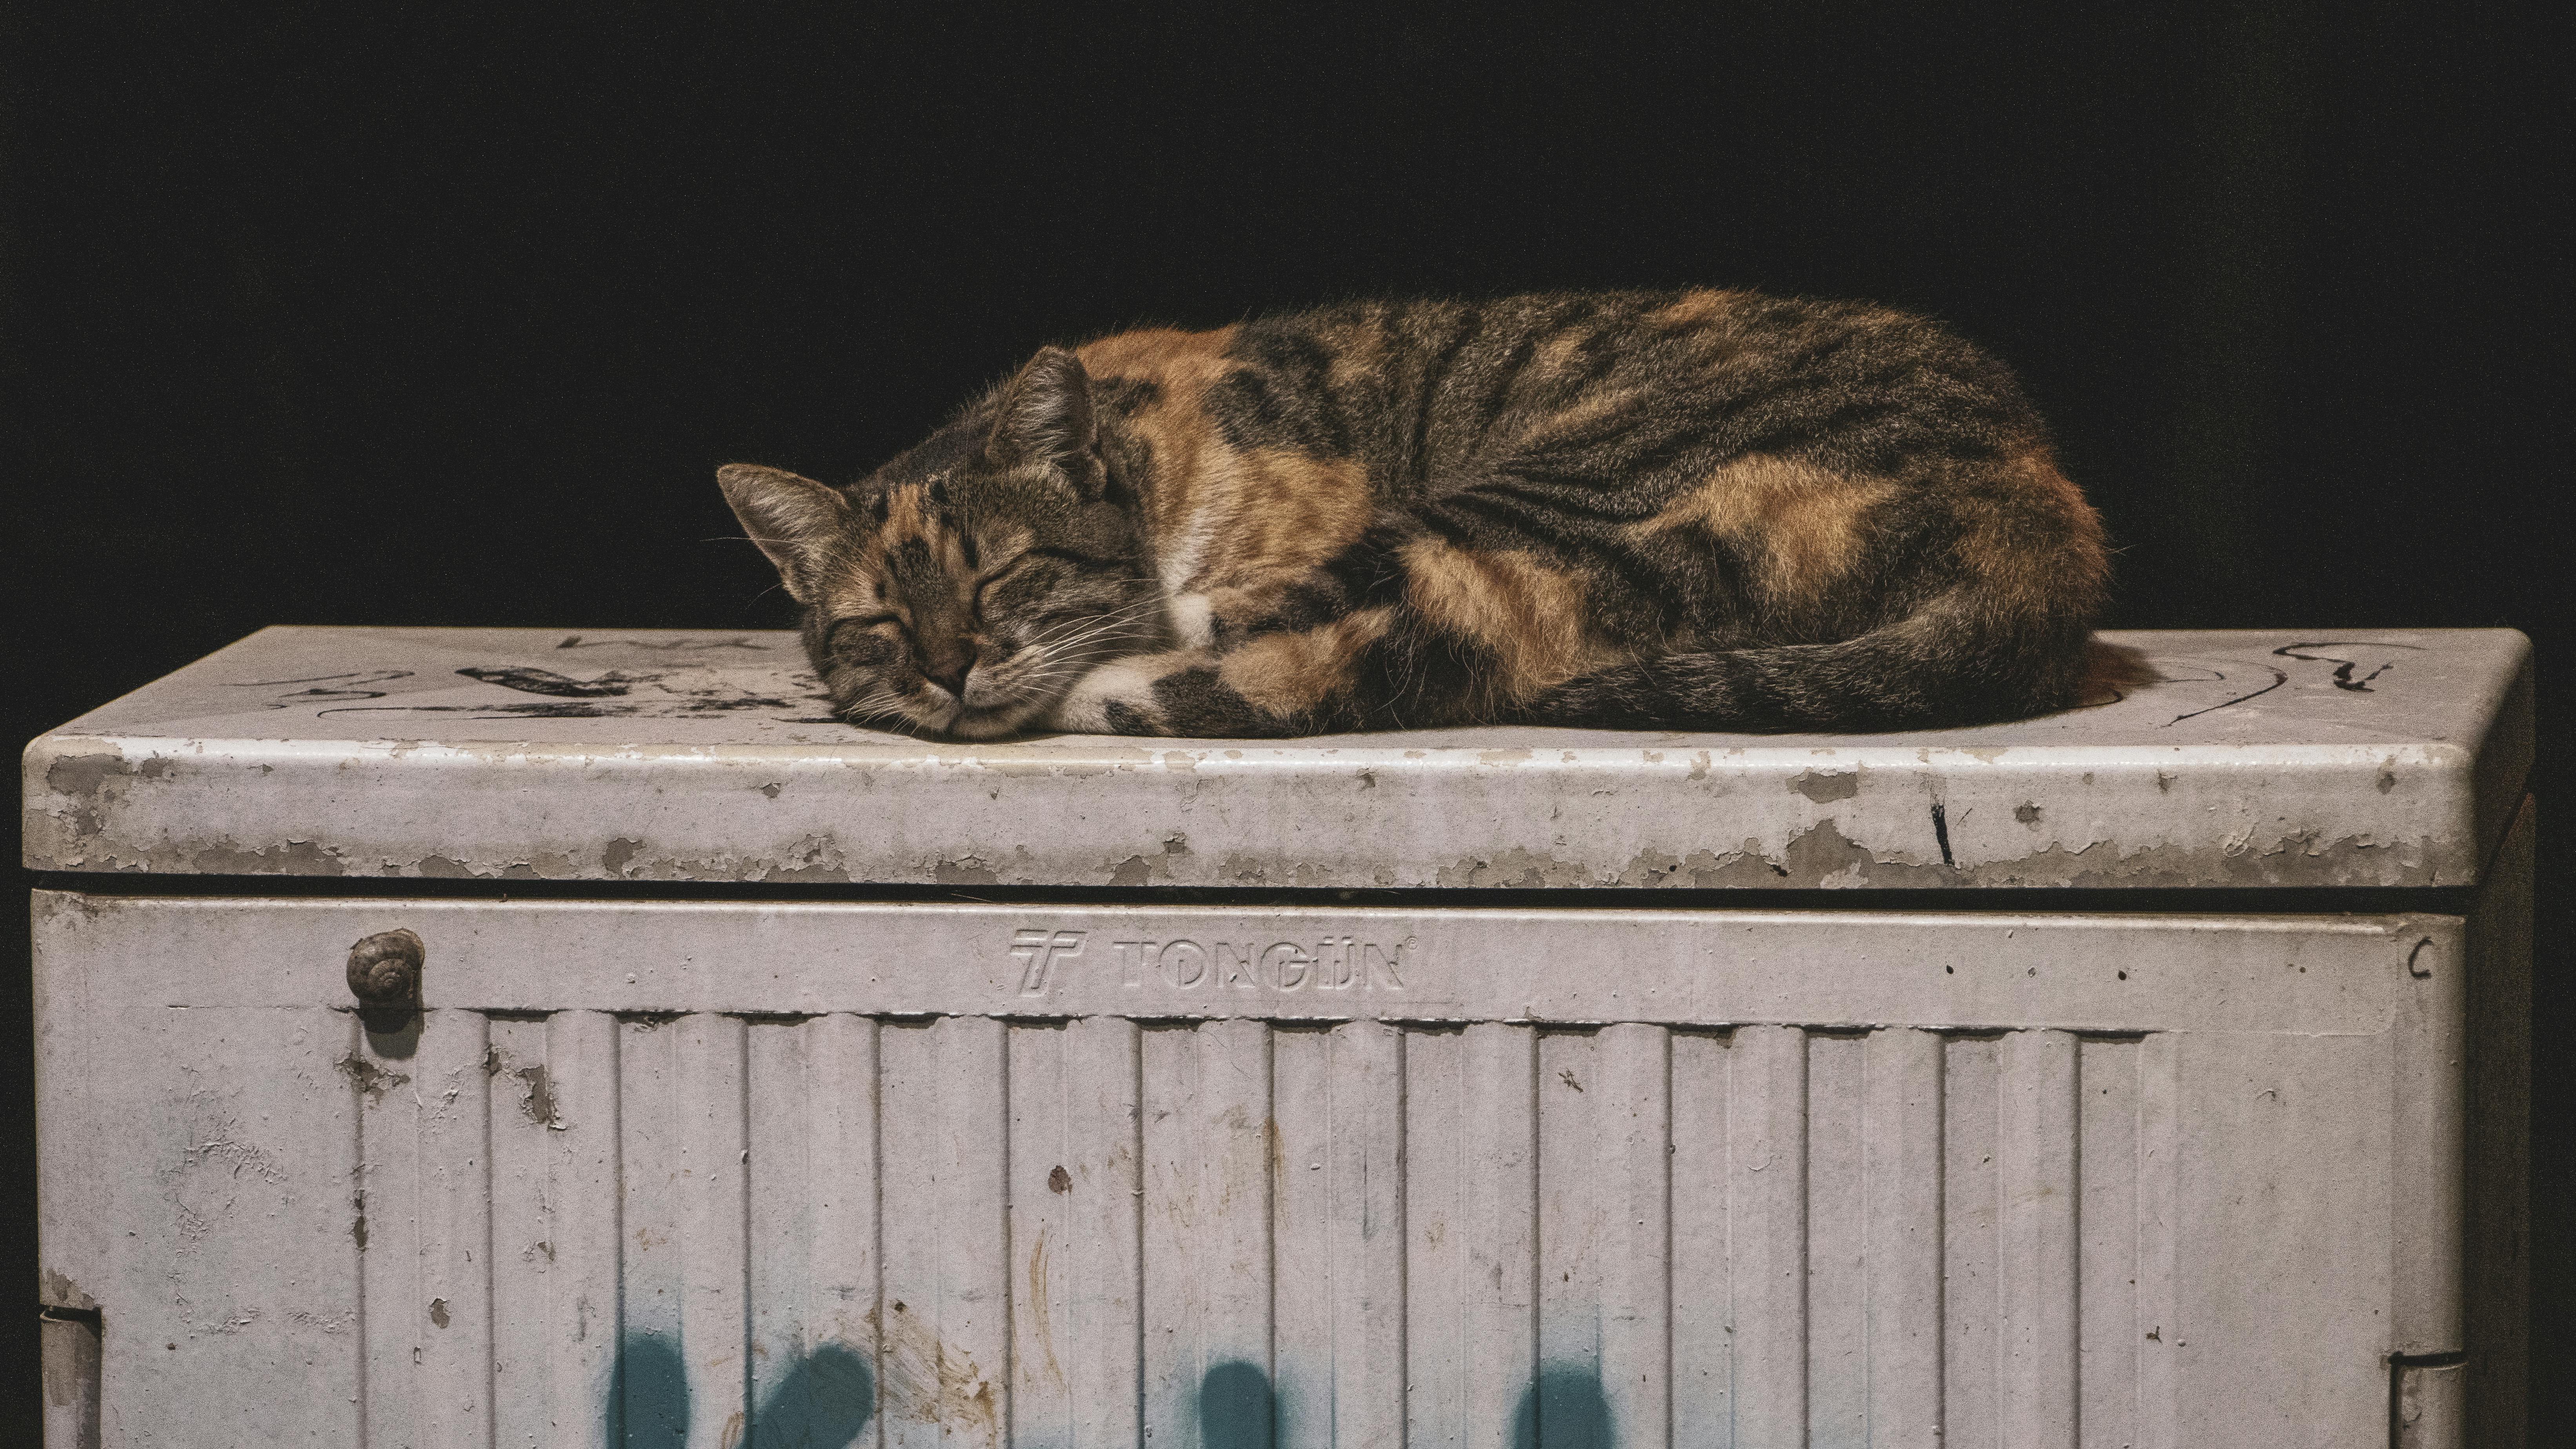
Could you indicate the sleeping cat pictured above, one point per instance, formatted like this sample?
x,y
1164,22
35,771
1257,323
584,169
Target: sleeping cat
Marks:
x,y
1691,510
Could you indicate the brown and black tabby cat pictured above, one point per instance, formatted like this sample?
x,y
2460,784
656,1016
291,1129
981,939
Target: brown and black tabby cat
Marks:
x,y
1680,510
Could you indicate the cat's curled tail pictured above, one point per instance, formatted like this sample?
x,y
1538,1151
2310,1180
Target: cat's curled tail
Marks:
x,y
2002,632
1940,666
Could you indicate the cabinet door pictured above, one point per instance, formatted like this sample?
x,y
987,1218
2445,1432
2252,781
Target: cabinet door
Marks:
x,y
753,1173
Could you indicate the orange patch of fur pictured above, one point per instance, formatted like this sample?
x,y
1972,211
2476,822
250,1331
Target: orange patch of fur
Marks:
x,y
1565,424
1800,524
1152,351
1358,350
849,589
1236,518
1272,513
905,519
1695,308
2035,542
1175,425
909,516
1532,616
1556,355
1289,674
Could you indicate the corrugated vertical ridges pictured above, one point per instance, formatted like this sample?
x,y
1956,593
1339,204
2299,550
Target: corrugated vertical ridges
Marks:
x,y
837,1229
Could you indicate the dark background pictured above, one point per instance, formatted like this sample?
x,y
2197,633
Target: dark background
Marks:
x,y
317,314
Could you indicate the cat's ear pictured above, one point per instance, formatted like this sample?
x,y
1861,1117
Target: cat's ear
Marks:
x,y
794,520
1045,418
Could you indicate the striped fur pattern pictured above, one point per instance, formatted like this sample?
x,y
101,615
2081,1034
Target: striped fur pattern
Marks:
x,y
1677,510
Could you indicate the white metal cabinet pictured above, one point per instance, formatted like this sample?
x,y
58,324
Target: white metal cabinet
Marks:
x,y
1075,1165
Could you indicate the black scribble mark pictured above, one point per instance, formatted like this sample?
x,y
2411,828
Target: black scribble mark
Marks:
x,y
2111,671
577,709
546,681
1941,833
704,692
739,641
353,677
2426,975
328,686
529,710
2278,679
2343,667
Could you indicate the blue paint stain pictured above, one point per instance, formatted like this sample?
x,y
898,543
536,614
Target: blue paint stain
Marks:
x,y
1563,1409
1236,1408
649,1394
828,1397
824,1402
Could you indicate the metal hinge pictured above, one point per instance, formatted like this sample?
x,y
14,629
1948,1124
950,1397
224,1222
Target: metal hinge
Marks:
x,y
2428,1400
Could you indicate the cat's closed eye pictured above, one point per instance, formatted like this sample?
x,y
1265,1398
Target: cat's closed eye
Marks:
x,y
993,579
867,638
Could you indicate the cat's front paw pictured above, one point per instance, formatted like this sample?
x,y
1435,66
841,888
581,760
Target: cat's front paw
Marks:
x,y
1118,697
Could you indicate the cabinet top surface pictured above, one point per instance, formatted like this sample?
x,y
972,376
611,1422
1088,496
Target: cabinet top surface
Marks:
x,y
2213,758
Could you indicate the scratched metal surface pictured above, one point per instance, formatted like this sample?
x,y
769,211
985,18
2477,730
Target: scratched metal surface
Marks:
x,y
830,1174
2311,758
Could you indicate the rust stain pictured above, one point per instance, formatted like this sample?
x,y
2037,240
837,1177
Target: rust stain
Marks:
x,y
1238,1128
931,1382
1038,1307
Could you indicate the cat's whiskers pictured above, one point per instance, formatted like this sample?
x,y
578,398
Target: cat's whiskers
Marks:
x,y
1082,630
1125,614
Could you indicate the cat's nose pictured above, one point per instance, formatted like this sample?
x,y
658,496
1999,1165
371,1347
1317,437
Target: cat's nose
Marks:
x,y
949,670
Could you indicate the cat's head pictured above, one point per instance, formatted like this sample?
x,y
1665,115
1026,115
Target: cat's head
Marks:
x,y
962,588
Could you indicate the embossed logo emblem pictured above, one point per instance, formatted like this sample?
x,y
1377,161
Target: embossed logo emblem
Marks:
x,y
1039,952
